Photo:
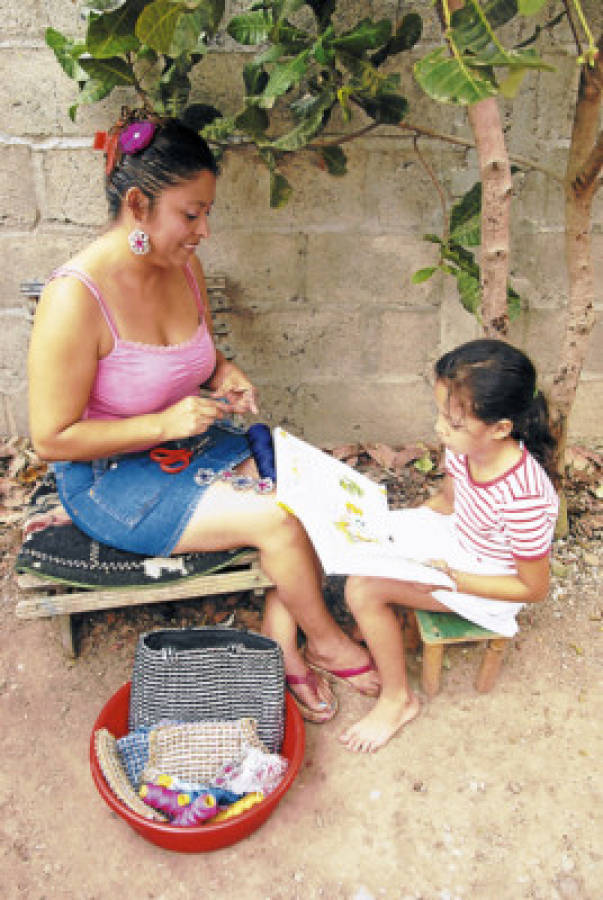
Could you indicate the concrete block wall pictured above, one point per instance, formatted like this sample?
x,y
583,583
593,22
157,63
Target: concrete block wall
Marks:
x,y
322,313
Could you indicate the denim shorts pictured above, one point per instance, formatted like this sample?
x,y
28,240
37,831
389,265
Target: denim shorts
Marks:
x,y
130,503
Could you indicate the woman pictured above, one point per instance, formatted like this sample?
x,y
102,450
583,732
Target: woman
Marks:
x,y
121,344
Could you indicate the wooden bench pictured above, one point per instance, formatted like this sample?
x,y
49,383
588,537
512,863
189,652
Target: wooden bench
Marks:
x,y
437,629
45,597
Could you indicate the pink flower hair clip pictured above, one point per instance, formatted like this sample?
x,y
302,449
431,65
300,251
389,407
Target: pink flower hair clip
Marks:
x,y
129,139
137,137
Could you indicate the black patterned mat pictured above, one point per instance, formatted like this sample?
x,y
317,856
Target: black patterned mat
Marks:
x,y
65,553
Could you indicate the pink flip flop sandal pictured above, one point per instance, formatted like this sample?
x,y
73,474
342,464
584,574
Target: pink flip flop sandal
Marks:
x,y
311,715
347,674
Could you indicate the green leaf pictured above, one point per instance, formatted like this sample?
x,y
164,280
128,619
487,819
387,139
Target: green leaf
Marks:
x,y
112,33
304,132
255,79
157,23
335,160
530,7
280,190
463,258
219,130
386,109
67,53
408,33
284,76
368,80
293,39
515,60
443,78
95,90
211,13
107,73
253,121
190,33
367,35
465,218
323,10
175,87
102,6
469,292
513,303
199,115
422,275
322,50
468,30
251,28
511,84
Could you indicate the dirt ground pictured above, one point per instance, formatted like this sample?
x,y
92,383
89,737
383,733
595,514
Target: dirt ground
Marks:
x,y
490,796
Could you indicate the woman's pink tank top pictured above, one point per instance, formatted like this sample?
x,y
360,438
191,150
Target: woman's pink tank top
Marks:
x,y
135,378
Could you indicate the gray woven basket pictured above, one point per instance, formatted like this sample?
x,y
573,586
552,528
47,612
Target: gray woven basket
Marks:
x,y
197,674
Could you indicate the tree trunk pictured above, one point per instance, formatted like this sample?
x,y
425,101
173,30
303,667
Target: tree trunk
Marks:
x,y
584,165
495,173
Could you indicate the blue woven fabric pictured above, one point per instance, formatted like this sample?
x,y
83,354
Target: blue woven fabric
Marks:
x,y
133,751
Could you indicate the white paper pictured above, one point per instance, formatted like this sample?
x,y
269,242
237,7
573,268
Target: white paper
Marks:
x,y
344,513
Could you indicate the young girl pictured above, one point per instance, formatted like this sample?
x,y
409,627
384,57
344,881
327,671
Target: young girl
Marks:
x,y
489,528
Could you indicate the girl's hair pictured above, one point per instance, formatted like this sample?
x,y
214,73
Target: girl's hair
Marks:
x,y
493,380
175,154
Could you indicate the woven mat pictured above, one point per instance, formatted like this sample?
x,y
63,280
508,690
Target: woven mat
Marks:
x,y
67,554
114,773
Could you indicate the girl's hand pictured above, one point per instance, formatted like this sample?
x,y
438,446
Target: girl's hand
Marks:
x,y
192,415
442,566
239,392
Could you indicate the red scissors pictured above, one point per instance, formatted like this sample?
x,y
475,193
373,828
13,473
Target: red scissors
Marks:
x,y
175,459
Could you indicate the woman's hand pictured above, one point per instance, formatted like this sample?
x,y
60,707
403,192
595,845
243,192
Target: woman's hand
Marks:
x,y
192,415
238,391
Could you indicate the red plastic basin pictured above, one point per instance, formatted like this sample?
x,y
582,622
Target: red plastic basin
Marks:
x,y
197,838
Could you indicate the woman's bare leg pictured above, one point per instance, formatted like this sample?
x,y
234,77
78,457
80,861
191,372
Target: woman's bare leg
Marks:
x,y
370,601
280,625
226,518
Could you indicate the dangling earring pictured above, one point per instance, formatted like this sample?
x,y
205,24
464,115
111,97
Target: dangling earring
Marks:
x,y
139,242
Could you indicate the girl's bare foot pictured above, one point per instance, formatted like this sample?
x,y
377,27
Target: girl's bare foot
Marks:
x,y
380,725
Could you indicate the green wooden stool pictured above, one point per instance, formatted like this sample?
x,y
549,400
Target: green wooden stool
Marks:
x,y
437,629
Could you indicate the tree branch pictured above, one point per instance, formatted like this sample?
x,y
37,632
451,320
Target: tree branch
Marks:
x,y
470,145
436,184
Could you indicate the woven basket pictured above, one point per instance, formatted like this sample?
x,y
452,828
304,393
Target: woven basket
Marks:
x,y
198,674
196,751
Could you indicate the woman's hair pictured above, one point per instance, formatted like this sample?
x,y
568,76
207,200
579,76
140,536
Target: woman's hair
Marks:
x,y
492,380
175,154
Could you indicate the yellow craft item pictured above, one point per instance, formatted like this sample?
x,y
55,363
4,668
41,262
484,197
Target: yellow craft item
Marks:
x,y
239,806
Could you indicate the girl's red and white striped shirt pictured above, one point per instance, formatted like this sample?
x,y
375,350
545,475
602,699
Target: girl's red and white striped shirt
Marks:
x,y
511,517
